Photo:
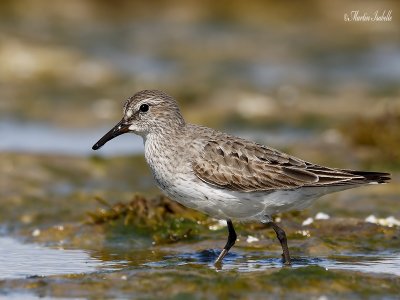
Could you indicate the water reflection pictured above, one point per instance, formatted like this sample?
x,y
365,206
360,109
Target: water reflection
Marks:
x,y
385,263
380,263
19,260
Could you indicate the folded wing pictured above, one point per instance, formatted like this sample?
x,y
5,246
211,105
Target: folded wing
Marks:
x,y
249,167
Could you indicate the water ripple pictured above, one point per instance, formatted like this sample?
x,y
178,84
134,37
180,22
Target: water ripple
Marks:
x,y
379,263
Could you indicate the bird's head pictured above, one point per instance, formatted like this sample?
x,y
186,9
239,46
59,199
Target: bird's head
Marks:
x,y
148,111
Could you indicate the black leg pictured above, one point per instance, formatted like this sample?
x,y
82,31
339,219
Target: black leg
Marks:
x,y
281,235
231,241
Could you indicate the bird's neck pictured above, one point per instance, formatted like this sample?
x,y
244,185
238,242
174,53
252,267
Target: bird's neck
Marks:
x,y
162,142
164,154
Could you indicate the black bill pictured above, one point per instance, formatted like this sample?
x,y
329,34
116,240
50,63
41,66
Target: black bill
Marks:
x,y
117,130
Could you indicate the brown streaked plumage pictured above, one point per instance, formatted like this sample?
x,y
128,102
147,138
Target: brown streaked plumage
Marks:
x,y
226,176
245,166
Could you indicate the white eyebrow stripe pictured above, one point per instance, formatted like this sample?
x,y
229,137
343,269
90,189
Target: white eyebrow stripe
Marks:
x,y
149,101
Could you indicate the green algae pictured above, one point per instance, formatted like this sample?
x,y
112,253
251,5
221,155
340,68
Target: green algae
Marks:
x,y
314,279
166,220
201,283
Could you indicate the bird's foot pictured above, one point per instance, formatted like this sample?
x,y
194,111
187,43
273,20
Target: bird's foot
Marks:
x,y
287,261
221,256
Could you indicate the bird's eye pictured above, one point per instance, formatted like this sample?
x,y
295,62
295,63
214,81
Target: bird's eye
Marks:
x,y
144,107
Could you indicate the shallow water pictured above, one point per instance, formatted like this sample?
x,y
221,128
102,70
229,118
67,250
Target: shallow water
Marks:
x,y
379,263
18,260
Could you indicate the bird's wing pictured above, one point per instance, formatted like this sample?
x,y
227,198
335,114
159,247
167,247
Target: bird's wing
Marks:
x,y
245,166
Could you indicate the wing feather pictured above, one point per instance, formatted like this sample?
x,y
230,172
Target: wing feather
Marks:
x,y
245,166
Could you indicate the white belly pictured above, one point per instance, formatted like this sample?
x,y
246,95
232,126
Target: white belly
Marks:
x,y
177,180
223,204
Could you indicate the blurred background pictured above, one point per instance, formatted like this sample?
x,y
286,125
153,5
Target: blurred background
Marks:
x,y
67,67
290,74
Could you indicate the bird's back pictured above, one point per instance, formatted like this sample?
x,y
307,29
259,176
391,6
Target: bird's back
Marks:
x,y
241,165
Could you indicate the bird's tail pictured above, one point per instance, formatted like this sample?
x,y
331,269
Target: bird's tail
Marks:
x,y
371,177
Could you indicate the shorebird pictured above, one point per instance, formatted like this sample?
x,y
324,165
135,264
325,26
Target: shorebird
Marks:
x,y
224,176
